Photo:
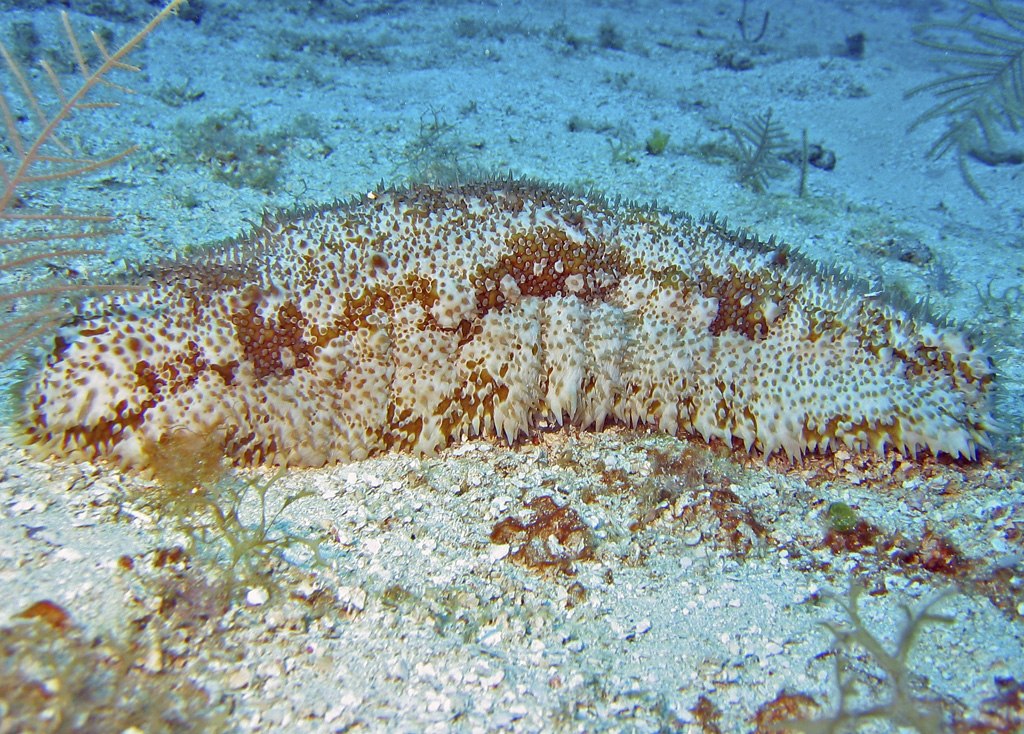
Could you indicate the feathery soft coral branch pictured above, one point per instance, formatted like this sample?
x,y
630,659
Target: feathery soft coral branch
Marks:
x,y
41,157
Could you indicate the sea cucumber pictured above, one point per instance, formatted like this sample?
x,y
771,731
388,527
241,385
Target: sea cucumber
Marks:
x,y
415,317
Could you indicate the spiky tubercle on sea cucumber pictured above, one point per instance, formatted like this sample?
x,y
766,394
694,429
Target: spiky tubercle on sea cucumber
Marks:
x,y
416,317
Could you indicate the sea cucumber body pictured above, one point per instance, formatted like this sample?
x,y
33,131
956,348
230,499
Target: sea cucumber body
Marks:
x,y
417,317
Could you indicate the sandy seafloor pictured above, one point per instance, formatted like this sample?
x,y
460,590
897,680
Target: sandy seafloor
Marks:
x,y
710,580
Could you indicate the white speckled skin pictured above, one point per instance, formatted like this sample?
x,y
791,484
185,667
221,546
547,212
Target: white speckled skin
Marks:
x,y
417,317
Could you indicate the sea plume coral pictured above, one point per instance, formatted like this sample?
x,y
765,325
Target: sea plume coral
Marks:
x,y
980,100
35,155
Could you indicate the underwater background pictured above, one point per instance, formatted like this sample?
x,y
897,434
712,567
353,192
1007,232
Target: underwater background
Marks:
x,y
675,586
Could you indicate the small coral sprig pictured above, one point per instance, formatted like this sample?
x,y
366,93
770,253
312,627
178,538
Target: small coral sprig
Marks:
x,y
233,523
903,706
981,99
762,141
